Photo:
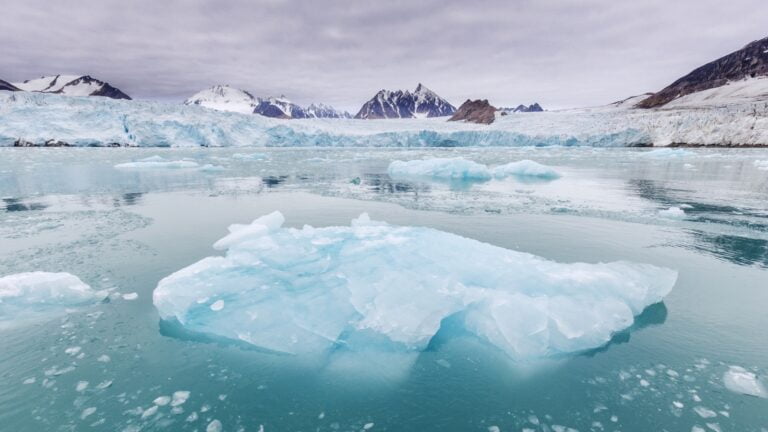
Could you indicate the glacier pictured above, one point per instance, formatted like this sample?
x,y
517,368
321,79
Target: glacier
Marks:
x,y
388,288
37,119
26,296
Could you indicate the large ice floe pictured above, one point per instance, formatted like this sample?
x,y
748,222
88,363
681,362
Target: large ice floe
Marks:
x,y
739,380
27,296
375,286
463,169
28,118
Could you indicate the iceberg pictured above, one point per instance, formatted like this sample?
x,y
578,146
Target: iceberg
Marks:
x,y
387,288
441,168
24,296
525,168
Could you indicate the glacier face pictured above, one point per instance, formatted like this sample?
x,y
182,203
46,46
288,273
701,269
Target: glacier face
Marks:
x,y
374,286
25,296
37,118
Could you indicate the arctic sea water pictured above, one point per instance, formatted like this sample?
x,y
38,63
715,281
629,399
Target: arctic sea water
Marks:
x,y
121,220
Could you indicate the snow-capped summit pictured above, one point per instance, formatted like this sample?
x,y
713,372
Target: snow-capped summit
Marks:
x,y
423,102
534,107
279,107
72,85
744,66
325,111
224,98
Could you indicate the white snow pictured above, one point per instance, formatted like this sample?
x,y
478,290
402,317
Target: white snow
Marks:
x,y
27,295
50,83
374,285
445,168
224,98
739,380
753,90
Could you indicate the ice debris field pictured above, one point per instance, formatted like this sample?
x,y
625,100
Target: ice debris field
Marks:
x,y
381,287
39,118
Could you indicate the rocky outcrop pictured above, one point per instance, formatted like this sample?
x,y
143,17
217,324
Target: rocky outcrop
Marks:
x,y
748,62
475,111
423,102
5,85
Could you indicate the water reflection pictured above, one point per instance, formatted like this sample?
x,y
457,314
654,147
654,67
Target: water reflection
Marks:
x,y
736,249
17,205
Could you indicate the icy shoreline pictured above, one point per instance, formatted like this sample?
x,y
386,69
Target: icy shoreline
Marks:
x,y
29,119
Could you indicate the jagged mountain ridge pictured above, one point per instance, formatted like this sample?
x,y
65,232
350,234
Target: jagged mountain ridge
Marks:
x,y
72,85
423,102
226,98
5,85
748,62
534,107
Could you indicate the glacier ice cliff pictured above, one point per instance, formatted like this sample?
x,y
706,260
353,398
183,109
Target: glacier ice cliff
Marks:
x,y
26,296
375,286
36,119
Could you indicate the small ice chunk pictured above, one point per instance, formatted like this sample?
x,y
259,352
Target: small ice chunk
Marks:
x,y
367,426
704,412
30,380
739,380
87,412
103,358
149,411
162,400
130,296
72,350
440,168
81,386
179,397
192,416
493,428
217,305
525,168
214,426
24,296
672,213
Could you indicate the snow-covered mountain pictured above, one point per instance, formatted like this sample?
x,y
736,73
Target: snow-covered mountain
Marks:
x,y
5,85
72,85
325,111
747,63
224,98
535,107
279,107
423,102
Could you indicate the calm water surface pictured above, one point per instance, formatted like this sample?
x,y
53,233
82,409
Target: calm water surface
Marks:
x,y
123,230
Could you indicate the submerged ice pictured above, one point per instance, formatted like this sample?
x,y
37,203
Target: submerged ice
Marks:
x,y
25,296
375,286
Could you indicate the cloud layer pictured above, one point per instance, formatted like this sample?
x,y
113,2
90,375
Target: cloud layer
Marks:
x,y
559,53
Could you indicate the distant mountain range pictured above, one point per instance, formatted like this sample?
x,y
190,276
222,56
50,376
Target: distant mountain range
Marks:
x,y
535,107
225,98
750,62
423,102
70,85
5,85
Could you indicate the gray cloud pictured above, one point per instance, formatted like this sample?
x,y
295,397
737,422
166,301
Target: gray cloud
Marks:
x,y
559,53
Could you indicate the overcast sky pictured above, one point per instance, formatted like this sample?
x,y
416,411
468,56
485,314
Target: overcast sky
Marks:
x,y
559,53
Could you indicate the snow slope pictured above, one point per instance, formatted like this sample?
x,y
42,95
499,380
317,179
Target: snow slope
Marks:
x,y
224,98
750,90
72,85
35,118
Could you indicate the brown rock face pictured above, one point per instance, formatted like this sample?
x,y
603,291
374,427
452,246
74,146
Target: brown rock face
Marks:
x,y
750,61
476,111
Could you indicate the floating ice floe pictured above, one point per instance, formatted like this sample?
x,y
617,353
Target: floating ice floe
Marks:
x,y
249,156
739,380
28,295
761,164
443,168
667,152
525,168
157,162
374,286
463,169
673,213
